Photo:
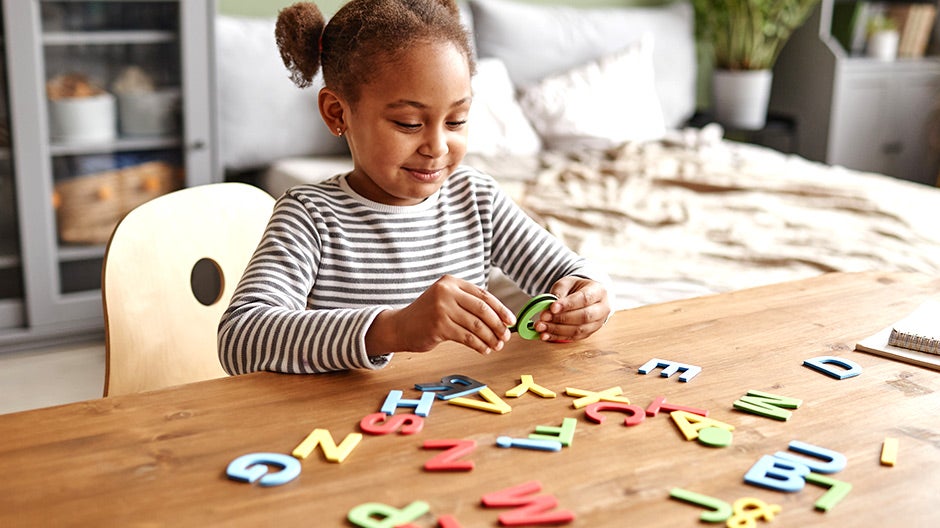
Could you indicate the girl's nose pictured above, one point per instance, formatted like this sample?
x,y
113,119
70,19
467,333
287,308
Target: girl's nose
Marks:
x,y
435,143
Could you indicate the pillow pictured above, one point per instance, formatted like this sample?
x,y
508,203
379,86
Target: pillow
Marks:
x,y
497,125
599,105
263,116
535,41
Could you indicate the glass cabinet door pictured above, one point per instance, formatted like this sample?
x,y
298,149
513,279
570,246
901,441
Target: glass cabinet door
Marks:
x,y
113,102
11,281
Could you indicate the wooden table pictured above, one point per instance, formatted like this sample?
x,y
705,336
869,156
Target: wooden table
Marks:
x,y
159,458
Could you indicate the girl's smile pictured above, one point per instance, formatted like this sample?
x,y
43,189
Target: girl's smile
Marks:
x,y
427,176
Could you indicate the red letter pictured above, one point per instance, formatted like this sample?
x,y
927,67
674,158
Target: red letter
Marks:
x,y
447,461
380,423
531,510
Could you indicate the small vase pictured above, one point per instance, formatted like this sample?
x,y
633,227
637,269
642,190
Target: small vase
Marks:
x,y
740,97
883,45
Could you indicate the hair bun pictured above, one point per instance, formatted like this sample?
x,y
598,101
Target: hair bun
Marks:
x,y
297,34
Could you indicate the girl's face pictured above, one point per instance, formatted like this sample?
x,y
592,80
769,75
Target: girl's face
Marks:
x,y
408,131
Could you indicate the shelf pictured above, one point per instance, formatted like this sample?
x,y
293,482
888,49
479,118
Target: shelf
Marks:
x,y
77,38
899,61
900,66
70,253
122,144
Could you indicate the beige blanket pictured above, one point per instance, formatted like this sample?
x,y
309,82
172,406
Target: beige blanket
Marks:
x,y
696,214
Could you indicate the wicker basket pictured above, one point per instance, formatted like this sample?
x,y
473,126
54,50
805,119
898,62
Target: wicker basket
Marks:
x,y
89,207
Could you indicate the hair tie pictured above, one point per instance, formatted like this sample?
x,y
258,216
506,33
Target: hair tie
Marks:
x,y
320,44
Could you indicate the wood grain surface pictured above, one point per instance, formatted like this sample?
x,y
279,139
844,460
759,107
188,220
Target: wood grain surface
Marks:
x,y
159,458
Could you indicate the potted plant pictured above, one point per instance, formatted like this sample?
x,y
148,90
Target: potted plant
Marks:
x,y
745,38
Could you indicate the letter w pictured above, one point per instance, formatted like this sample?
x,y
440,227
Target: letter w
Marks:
x,y
530,510
767,405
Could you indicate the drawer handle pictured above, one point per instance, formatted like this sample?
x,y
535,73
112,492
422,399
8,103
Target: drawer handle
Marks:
x,y
892,148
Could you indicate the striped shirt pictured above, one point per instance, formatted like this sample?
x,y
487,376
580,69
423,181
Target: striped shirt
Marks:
x,y
330,261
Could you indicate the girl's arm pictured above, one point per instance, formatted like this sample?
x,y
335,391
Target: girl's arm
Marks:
x,y
538,262
267,326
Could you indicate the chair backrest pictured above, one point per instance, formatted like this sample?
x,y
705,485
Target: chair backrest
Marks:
x,y
195,241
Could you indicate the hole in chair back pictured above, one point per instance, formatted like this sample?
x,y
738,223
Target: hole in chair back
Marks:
x,y
206,281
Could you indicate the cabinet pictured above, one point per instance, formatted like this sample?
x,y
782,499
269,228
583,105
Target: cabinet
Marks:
x,y
150,66
856,111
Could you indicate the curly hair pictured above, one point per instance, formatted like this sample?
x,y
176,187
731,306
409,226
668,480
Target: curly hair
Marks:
x,y
361,37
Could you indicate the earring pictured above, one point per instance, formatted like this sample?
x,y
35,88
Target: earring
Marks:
x,y
339,132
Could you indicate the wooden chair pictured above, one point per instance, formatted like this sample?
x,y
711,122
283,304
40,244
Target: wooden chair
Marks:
x,y
169,272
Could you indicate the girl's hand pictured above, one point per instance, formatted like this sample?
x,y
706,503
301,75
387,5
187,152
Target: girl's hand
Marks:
x,y
582,308
451,309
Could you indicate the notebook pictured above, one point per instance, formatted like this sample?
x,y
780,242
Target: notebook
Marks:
x,y
914,339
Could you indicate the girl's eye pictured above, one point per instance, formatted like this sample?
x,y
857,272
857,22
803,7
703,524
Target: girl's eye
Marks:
x,y
409,126
456,124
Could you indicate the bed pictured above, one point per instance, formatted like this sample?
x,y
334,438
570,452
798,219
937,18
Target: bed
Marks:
x,y
580,115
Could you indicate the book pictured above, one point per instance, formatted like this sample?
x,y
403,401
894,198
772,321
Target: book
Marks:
x,y
914,22
919,331
914,339
904,17
925,24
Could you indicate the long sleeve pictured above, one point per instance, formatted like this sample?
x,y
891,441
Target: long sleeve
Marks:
x,y
532,257
268,326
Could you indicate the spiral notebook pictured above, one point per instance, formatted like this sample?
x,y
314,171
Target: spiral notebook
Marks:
x,y
914,339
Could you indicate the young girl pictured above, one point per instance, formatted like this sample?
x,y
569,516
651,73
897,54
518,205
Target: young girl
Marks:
x,y
395,255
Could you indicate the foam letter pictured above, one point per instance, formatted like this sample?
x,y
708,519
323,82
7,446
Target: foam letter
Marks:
x,y
833,462
324,439
447,461
563,434
889,451
690,424
530,510
767,405
394,400
777,474
718,510
447,521
821,364
635,413
365,515
748,510
452,386
670,368
253,467
586,397
529,385
380,423
659,404
491,404
837,490
528,443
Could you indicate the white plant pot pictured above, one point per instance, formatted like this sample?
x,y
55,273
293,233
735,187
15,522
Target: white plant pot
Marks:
x,y
740,98
883,45
83,119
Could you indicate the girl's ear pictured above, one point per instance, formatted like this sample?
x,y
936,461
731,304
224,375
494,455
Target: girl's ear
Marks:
x,y
332,110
